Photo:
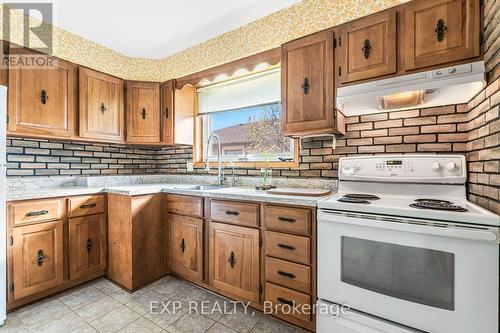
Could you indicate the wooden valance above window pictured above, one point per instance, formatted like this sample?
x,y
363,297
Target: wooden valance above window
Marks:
x,y
271,57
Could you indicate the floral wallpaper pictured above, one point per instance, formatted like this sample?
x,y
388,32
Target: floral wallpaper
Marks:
x,y
303,18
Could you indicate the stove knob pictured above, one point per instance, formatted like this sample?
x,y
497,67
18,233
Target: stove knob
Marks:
x,y
452,166
436,166
347,168
357,166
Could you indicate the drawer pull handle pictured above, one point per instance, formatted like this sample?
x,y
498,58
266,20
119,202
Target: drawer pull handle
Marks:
x,y
286,274
286,219
40,257
183,245
232,212
89,245
284,301
92,205
286,246
231,260
37,213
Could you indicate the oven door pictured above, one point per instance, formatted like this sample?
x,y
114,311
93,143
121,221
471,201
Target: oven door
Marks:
x,y
429,276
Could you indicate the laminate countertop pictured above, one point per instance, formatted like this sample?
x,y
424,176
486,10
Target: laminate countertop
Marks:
x,y
236,193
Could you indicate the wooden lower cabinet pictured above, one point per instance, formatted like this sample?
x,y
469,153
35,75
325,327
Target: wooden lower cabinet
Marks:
x,y
38,258
185,246
87,245
234,260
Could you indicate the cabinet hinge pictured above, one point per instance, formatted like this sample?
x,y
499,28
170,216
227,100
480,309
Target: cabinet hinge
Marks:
x,y
7,119
12,286
260,289
260,242
340,71
335,43
340,41
11,240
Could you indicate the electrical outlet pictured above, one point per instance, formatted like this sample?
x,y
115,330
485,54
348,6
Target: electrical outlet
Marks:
x,y
189,166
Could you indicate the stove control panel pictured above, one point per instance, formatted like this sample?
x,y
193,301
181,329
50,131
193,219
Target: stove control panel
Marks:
x,y
405,168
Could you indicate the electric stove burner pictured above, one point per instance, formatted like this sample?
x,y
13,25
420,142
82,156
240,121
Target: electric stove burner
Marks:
x,y
437,205
436,201
353,200
361,196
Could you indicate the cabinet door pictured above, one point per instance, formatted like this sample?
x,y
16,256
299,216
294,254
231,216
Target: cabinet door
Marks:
x,y
143,112
167,109
307,85
37,258
43,102
185,246
367,47
234,260
87,245
101,106
440,31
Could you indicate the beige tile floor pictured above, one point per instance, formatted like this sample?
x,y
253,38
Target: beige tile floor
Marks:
x,y
101,306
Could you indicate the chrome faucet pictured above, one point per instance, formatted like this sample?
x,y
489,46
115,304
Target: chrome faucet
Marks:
x,y
220,175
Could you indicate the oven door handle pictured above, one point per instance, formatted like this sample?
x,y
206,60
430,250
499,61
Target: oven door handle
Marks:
x,y
469,234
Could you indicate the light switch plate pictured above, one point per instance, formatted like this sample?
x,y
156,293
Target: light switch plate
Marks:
x,y
189,166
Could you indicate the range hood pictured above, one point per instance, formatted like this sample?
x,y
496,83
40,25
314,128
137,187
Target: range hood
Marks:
x,y
450,85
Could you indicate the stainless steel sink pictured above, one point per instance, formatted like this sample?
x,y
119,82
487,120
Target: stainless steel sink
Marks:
x,y
198,187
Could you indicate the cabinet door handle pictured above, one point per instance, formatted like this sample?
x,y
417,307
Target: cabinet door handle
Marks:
x,y
284,301
306,86
367,49
102,108
183,245
143,113
231,260
43,96
441,28
286,274
92,205
37,213
40,257
166,113
232,212
286,246
89,245
286,219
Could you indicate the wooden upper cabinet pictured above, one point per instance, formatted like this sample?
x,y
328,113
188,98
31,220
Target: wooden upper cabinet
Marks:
x,y
43,102
307,87
167,111
101,106
143,112
366,48
37,258
440,31
87,245
234,260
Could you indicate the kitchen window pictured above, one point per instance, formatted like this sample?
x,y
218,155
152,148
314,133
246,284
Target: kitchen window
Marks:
x,y
245,113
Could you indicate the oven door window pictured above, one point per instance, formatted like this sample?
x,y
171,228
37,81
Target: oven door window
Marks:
x,y
414,274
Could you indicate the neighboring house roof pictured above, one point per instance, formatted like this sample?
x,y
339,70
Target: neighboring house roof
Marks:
x,y
234,134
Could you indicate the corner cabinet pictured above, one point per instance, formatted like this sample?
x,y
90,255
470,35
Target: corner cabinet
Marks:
x,y
441,31
143,112
101,106
43,102
307,86
366,48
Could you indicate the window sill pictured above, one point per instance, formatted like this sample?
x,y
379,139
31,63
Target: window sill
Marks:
x,y
251,165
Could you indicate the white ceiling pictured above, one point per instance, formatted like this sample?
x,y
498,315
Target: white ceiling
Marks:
x,y
155,28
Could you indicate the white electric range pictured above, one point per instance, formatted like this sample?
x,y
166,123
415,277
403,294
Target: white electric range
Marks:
x,y
401,245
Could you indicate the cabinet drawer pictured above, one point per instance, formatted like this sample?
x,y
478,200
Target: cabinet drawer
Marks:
x,y
280,297
185,205
86,205
241,213
36,211
288,274
288,219
293,248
